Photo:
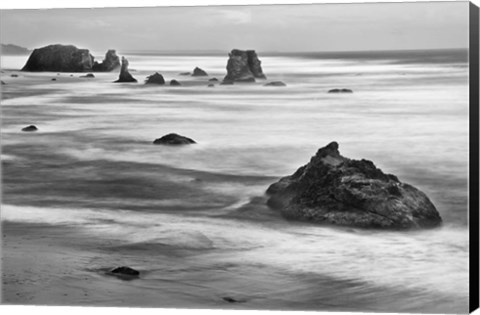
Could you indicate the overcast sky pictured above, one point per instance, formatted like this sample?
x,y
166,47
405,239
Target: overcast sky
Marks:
x,y
320,27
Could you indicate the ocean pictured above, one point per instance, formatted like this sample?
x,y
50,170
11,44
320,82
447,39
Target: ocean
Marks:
x,y
193,219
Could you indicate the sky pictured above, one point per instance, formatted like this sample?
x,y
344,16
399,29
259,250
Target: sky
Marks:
x,y
318,27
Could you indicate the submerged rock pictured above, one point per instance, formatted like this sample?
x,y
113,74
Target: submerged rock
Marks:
x,y
110,63
213,80
3,83
125,271
197,72
174,83
340,91
275,83
173,139
185,73
88,75
232,300
54,79
211,85
228,82
243,66
14,75
125,76
333,189
155,78
30,128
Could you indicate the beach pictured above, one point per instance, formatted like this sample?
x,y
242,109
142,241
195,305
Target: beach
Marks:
x,y
89,191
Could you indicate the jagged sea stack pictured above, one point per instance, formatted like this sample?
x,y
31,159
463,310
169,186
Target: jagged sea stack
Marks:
x,y
243,66
125,76
333,189
110,63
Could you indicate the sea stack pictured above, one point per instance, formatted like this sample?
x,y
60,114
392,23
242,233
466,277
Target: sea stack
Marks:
x,y
110,63
125,76
62,58
68,58
243,66
332,189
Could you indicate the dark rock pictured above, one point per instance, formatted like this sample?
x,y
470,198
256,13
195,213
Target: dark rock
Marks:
x,y
30,128
54,79
14,75
125,76
232,300
173,139
59,58
211,85
174,83
213,80
185,73
3,83
155,78
197,72
110,63
71,75
340,91
88,75
333,189
228,82
275,83
243,66
127,271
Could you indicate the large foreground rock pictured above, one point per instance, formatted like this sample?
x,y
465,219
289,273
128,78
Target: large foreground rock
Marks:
x,y
63,58
243,66
125,76
333,189
68,58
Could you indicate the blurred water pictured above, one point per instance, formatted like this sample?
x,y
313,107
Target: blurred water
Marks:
x,y
409,117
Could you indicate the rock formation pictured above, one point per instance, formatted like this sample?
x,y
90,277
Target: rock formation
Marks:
x,y
333,189
125,271
243,66
30,128
275,83
59,58
197,72
174,83
340,91
68,58
173,139
155,78
110,63
213,80
125,76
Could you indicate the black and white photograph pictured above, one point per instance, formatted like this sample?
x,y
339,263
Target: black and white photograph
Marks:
x,y
285,157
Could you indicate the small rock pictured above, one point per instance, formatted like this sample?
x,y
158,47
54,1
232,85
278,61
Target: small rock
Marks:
x,y
275,83
88,75
211,85
30,128
185,73
173,139
213,80
3,83
197,72
155,78
226,82
340,91
174,83
231,300
54,79
14,75
124,270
